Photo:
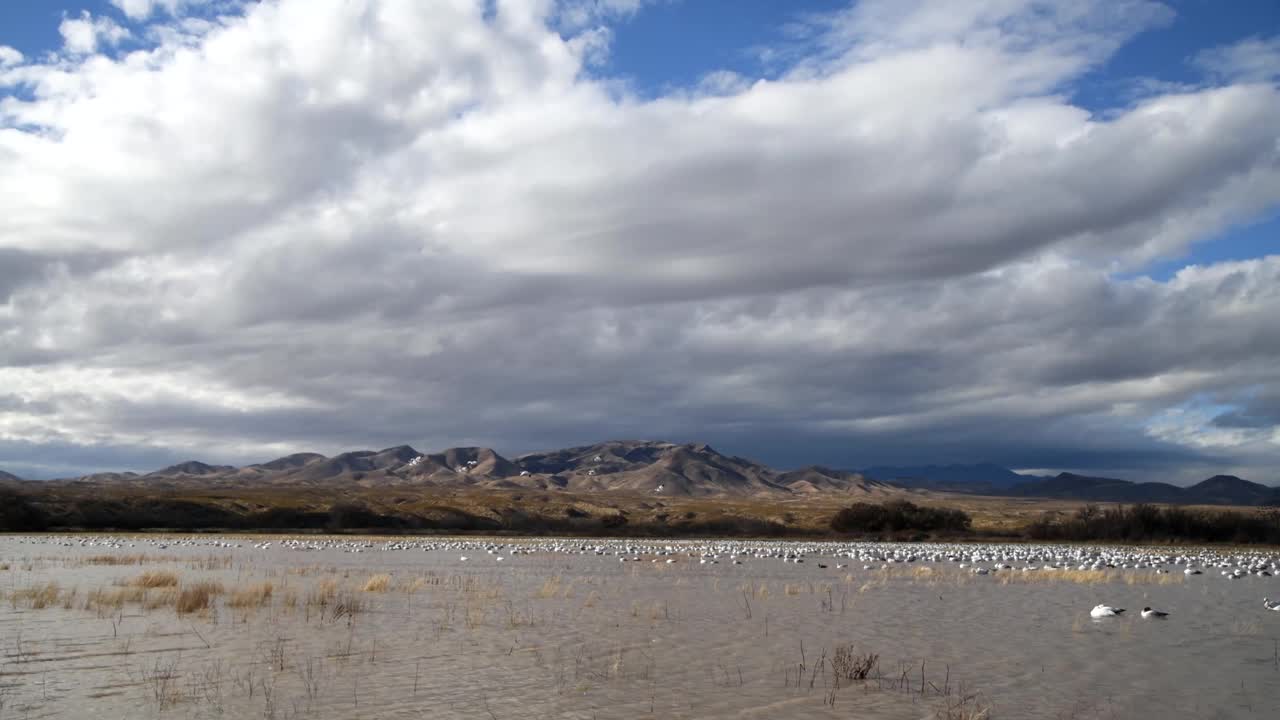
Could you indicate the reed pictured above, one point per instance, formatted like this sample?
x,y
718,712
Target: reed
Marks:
x,y
160,598
107,600
377,584
155,579
114,560
550,588
196,597
37,597
253,596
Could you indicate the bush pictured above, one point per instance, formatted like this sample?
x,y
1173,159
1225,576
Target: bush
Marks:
x,y
897,516
17,512
1148,522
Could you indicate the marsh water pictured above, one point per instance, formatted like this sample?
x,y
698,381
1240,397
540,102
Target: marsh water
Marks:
x,y
387,628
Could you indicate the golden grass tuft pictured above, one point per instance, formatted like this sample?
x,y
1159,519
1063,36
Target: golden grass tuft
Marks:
x,y
155,579
196,597
253,596
111,599
323,594
37,597
377,584
550,587
160,598
411,586
794,589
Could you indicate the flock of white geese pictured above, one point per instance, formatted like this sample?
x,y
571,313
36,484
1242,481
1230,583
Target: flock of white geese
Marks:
x,y
976,558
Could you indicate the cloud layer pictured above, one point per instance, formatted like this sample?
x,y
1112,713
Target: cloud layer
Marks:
x,y
326,224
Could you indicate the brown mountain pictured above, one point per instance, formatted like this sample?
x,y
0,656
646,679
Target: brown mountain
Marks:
x,y
638,467
110,477
646,467
192,468
819,480
653,467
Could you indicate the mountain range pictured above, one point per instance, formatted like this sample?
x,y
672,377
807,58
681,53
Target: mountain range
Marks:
x,y
664,468
983,476
988,479
660,468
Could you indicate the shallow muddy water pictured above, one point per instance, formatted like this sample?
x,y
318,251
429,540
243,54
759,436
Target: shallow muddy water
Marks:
x,y
389,628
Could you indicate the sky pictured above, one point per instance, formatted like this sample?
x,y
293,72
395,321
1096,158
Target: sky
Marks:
x,y
1039,234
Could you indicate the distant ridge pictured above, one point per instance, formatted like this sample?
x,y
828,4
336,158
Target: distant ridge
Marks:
x,y
1217,490
194,468
665,468
973,477
1229,489
644,467
990,479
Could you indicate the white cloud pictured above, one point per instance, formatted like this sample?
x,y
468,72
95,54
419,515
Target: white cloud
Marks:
x,y
396,221
83,35
9,56
1256,59
580,14
138,10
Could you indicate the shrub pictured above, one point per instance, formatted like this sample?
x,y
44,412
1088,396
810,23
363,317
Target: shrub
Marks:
x,y
1147,522
896,516
17,512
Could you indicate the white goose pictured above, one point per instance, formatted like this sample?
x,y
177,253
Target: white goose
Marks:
x,y
1149,614
1101,611
1269,604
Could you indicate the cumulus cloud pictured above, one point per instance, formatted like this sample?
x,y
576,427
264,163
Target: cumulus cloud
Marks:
x,y
9,56
83,35
329,224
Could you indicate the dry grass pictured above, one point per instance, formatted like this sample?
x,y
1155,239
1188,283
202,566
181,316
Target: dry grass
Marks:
x,y
794,589
377,584
1246,627
155,579
211,562
345,606
107,600
323,594
116,560
654,610
196,597
253,596
37,597
551,587
161,598
1088,577
411,586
